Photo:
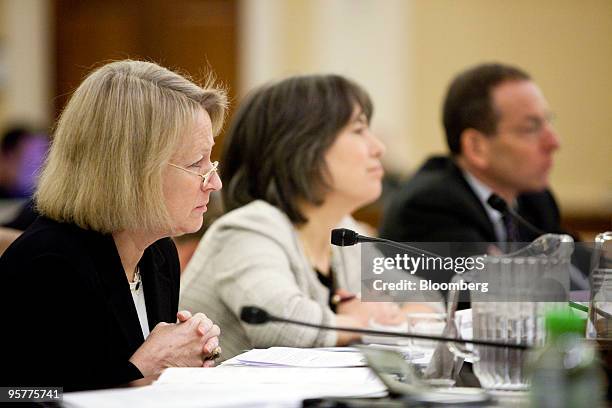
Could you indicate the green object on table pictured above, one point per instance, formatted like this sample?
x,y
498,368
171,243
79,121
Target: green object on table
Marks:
x,y
567,372
578,306
560,322
583,308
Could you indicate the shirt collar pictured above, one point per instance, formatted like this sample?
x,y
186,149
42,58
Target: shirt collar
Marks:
x,y
483,193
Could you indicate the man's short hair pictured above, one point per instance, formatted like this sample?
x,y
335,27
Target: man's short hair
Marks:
x,y
468,103
275,147
112,142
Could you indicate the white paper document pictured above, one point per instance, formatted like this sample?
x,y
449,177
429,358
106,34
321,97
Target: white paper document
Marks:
x,y
232,386
216,395
409,352
298,357
357,376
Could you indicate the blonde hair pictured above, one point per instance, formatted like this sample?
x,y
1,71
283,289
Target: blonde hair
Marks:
x,y
119,129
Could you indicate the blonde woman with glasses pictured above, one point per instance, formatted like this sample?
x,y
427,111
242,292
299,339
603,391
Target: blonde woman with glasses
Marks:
x,y
89,293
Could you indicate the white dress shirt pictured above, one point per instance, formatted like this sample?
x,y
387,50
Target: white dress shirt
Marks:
x,y
483,193
138,296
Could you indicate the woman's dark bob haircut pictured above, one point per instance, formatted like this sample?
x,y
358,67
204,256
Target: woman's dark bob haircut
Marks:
x,y
275,147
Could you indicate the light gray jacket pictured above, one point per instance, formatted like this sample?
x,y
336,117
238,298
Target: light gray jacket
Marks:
x,y
252,256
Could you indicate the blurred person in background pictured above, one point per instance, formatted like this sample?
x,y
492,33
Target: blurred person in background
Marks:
x,y
298,159
21,154
501,141
499,132
89,292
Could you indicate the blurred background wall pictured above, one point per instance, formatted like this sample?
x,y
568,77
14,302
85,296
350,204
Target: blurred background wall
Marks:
x,y
403,51
26,62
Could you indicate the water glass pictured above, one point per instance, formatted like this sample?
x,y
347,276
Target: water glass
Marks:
x,y
522,288
599,324
428,324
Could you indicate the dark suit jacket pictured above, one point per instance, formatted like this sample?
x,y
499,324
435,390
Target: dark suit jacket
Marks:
x,y
67,313
438,205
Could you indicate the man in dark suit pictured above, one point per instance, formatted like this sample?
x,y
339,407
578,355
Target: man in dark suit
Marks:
x,y
498,129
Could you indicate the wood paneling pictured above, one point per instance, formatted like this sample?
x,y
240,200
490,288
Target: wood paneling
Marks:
x,y
191,36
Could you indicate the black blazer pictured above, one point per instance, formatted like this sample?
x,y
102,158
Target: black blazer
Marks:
x,y
438,205
67,312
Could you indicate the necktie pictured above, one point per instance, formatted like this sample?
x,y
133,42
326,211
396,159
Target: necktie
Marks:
x,y
512,231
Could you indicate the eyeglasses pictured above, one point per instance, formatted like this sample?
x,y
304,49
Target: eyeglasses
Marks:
x,y
534,129
205,177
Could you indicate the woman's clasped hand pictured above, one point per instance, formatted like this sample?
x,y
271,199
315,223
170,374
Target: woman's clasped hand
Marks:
x,y
190,342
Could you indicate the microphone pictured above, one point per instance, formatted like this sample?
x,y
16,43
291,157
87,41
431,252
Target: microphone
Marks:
x,y
257,315
347,237
499,204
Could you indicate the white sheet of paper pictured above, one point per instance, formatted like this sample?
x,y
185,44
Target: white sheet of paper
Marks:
x,y
357,376
299,357
235,386
409,352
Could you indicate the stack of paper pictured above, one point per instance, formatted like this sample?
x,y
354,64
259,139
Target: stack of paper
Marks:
x,y
237,393
233,386
317,357
355,376
278,376
288,385
298,357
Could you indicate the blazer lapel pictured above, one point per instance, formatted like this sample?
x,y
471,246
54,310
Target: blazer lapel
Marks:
x,y
120,302
157,287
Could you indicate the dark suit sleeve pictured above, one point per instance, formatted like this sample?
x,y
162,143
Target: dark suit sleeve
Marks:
x,y
55,329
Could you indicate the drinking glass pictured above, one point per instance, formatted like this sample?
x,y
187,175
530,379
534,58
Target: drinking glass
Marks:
x,y
599,324
428,324
522,287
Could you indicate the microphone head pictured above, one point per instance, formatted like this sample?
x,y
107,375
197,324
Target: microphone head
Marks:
x,y
344,237
254,315
498,203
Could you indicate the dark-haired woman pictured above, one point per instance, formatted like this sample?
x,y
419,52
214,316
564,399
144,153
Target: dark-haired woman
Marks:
x,y
298,159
